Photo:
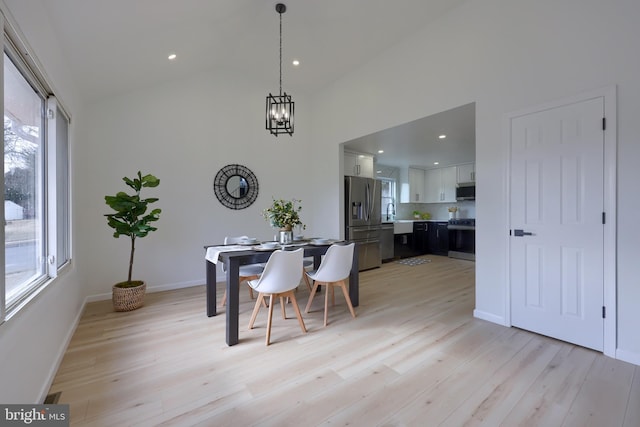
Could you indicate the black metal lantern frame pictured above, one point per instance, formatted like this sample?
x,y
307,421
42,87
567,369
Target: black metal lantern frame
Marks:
x,y
280,113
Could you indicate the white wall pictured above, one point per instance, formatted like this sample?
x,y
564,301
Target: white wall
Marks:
x,y
33,341
183,132
504,55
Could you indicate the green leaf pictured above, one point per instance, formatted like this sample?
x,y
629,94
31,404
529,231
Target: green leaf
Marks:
x,y
150,181
130,216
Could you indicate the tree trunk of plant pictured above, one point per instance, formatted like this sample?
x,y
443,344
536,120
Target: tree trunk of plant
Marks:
x,y
133,249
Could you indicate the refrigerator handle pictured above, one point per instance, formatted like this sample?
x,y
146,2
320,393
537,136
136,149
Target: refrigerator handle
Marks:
x,y
372,196
370,203
367,201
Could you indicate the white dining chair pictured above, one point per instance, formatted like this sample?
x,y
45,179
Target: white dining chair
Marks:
x,y
280,278
333,271
247,272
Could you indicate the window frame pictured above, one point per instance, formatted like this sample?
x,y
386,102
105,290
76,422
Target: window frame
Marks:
x,y
394,188
55,158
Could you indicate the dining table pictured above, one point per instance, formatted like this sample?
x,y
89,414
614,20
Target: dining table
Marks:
x,y
235,257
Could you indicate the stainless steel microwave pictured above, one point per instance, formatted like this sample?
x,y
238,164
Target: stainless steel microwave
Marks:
x,y
466,191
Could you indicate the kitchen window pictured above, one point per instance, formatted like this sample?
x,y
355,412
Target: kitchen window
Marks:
x,y
388,198
36,181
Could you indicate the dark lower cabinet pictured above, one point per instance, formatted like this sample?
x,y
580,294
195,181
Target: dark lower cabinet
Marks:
x,y
420,237
427,238
403,245
438,238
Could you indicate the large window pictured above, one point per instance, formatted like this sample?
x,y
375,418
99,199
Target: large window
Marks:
x,y
36,182
23,190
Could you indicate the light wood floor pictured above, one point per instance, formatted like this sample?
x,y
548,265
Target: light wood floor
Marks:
x,y
414,356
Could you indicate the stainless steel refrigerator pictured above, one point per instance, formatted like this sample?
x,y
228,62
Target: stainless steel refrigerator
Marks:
x,y
363,218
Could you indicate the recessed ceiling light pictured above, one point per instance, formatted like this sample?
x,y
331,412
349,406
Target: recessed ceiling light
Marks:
x,y
295,62
442,136
436,163
380,151
378,171
172,56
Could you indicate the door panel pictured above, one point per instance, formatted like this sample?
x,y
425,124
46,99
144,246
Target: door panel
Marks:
x,y
557,195
533,279
572,267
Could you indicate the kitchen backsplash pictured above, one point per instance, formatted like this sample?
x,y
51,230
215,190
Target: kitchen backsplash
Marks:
x,y
440,211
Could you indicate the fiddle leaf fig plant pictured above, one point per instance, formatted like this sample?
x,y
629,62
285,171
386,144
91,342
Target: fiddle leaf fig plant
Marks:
x,y
131,217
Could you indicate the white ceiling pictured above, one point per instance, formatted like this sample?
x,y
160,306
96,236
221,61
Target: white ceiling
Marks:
x,y
417,143
116,46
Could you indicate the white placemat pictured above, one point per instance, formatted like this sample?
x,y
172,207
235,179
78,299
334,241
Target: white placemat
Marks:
x,y
213,252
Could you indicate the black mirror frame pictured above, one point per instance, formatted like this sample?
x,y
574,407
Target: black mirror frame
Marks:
x,y
222,193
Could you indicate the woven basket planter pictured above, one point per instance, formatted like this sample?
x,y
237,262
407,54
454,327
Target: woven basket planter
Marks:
x,y
127,299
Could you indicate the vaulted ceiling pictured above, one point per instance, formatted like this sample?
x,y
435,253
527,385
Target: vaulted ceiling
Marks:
x,y
118,45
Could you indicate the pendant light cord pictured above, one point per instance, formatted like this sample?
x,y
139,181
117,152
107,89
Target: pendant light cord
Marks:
x,y
280,53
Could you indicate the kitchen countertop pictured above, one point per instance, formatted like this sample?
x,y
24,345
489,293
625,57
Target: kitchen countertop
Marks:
x,y
415,220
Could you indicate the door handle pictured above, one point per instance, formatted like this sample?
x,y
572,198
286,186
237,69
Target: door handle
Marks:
x,y
521,233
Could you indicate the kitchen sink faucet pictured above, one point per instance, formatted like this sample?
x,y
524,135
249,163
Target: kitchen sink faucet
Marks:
x,y
393,211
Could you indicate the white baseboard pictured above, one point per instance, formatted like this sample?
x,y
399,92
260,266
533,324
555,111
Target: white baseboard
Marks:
x,y
628,356
150,289
489,317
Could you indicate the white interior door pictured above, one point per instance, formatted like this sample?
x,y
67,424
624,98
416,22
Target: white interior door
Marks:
x,y
556,208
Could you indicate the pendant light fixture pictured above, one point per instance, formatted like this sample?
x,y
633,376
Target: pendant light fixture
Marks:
x,y
279,116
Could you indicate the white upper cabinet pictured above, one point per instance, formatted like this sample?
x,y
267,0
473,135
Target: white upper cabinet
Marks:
x,y
350,164
467,173
432,185
440,185
416,185
449,184
358,165
365,163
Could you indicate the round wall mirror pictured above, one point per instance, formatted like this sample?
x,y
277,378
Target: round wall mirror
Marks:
x,y
236,186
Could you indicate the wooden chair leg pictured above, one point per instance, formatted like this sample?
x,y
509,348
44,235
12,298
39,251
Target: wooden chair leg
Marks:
x,y
294,302
313,292
256,309
289,295
326,302
306,278
343,285
333,295
269,319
